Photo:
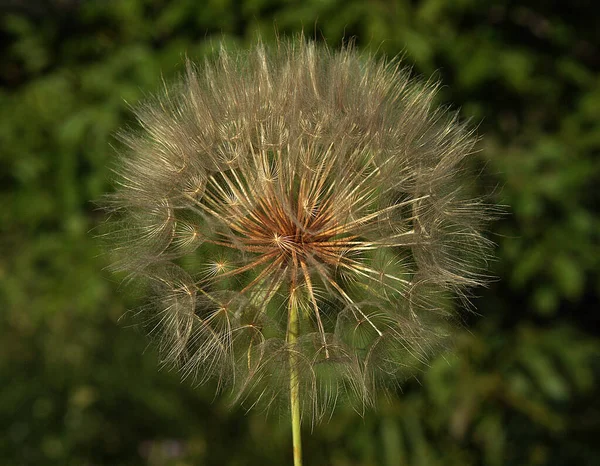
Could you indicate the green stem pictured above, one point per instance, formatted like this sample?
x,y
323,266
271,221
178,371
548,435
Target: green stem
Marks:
x,y
293,330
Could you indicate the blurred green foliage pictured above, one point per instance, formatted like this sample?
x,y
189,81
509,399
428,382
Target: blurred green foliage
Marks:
x,y
81,387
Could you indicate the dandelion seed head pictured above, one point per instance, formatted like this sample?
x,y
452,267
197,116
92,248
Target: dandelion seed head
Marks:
x,y
296,173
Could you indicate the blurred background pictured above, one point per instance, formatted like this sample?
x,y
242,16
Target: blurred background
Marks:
x,y
80,384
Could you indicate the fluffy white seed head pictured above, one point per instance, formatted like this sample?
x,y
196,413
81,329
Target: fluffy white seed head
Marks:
x,y
297,172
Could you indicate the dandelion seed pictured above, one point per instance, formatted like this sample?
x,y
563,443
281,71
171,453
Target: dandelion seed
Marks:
x,y
213,269
305,217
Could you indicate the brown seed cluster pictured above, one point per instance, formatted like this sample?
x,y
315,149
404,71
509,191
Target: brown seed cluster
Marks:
x,y
298,204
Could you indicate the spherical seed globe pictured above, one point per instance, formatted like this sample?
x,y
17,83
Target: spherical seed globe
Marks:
x,y
298,206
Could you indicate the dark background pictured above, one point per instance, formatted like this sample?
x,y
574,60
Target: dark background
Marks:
x,y
80,384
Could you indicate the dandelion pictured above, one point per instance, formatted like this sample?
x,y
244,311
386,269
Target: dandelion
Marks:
x,y
304,220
